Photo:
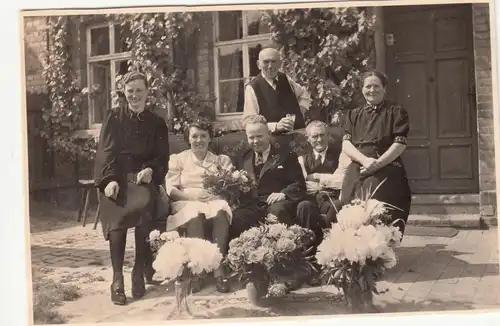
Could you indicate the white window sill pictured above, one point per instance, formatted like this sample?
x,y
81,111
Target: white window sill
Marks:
x,y
87,133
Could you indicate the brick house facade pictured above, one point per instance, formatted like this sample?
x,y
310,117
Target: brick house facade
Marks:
x,y
210,82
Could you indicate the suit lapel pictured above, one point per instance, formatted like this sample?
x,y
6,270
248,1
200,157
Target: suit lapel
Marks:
x,y
248,163
272,160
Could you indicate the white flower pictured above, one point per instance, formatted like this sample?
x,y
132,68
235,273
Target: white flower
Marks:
x,y
236,174
375,207
352,216
169,236
197,254
154,235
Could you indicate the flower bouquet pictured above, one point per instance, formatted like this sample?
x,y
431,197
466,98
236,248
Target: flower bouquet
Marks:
x,y
180,259
228,184
263,255
357,249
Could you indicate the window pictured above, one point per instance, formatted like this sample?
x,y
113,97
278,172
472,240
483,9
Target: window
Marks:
x,y
239,37
107,56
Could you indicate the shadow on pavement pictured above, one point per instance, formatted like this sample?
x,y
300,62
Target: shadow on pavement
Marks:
x,y
447,264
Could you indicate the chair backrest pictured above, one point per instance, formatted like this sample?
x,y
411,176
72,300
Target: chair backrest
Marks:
x,y
233,144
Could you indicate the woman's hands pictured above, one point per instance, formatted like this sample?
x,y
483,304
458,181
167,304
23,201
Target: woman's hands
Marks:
x,y
370,165
112,189
145,176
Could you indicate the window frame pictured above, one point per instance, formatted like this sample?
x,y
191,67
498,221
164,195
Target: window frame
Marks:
x,y
244,42
112,57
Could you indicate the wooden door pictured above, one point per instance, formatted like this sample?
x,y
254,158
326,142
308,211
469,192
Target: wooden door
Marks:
x,y
431,71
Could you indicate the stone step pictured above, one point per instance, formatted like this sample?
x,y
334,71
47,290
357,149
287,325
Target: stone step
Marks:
x,y
473,221
445,204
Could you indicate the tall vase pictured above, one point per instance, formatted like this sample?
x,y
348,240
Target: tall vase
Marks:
x,y
182,291
357,300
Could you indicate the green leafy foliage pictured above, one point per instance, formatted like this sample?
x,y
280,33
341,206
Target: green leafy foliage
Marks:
x,y
325,50
62,117
153,38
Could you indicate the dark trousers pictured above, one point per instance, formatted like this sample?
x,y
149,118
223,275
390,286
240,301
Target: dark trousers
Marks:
x,y
251,214
310,213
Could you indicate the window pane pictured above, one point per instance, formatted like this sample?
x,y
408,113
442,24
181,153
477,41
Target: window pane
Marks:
x,y
122,67
101,89
230,63
253,56
230,25
255,26
99,40
121,35
231,96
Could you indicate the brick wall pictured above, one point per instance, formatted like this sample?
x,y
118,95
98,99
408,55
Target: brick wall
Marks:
x,y
35,42
486,146
47,170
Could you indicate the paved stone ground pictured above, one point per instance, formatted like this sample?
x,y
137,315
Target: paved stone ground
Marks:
x,y
433,274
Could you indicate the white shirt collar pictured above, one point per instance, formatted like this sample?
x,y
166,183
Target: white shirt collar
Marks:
x,y
270,81
265,154
322,154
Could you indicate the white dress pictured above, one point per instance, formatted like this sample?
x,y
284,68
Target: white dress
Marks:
x,y
185,173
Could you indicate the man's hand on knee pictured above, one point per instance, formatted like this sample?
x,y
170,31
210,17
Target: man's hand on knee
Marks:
x,y
275,197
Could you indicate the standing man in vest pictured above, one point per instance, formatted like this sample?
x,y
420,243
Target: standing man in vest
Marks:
x,y
275,96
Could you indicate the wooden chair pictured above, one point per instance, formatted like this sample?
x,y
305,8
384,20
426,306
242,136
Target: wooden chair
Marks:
x,y
87,186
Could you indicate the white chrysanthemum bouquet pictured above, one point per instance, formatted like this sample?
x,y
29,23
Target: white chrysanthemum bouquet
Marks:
x,y
178,257
359,248
264,255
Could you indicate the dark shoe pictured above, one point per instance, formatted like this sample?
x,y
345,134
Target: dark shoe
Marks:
x,y
196,285
148,274
293,285
314,281
138,285
221,284
118,296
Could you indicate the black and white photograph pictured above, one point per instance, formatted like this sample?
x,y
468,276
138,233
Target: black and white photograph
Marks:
x,y
256,161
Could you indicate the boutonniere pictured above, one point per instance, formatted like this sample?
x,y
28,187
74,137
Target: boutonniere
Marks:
x,y
275,158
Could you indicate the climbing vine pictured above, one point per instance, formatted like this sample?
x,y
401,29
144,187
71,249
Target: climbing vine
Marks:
x,y
326,50
62,117
153,36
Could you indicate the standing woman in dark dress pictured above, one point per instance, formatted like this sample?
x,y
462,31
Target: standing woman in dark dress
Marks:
x,y
131,162
375,137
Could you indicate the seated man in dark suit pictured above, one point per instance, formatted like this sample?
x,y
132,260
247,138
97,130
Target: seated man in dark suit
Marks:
x,y
280,182
324,167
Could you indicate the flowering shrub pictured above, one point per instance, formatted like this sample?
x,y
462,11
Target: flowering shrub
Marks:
x,y
229,184
178,258
270,252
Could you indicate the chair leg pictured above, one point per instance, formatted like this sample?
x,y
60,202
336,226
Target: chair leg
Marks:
x,y
86,207
80,207
96,219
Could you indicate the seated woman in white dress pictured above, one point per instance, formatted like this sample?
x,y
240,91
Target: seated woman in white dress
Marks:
x,y
192,206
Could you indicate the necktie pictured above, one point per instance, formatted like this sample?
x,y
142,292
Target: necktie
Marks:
x,y
258,163
259,159
318,160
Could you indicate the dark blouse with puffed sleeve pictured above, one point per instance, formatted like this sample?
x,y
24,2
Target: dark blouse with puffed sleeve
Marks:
x,y
130,142
377,126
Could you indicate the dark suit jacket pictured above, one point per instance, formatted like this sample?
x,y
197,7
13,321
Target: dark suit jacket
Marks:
x,y
280,173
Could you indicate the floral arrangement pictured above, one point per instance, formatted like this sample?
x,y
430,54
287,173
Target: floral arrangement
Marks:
x,y
178,258
359,248
266,254
228,184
